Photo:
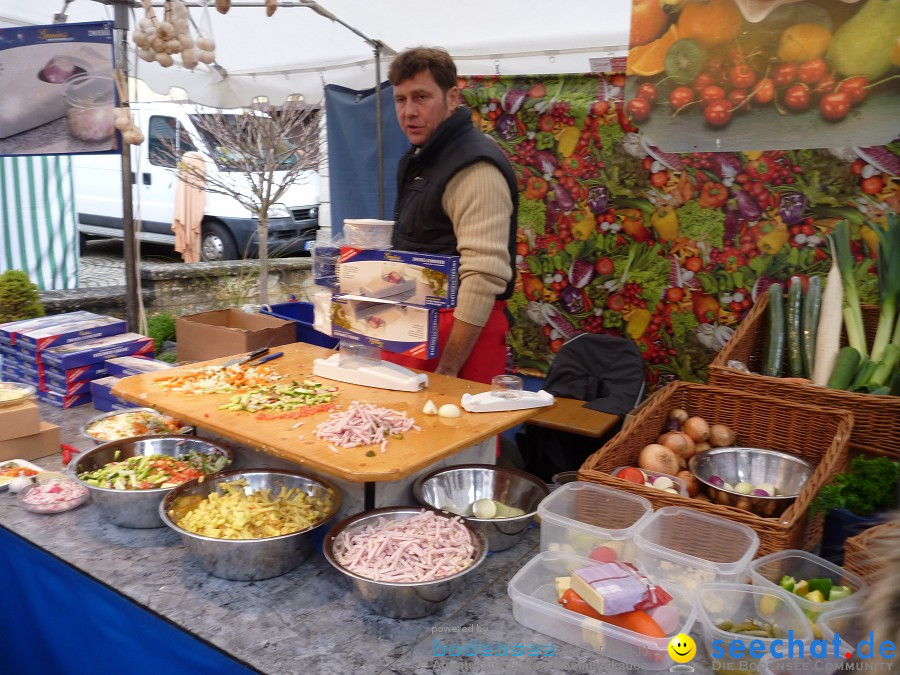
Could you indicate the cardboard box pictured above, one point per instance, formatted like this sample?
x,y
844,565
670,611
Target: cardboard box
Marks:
x,y
225,332
10,331
64,402
393,326
420,279
53,336
94,351
125,366
41,444
20,420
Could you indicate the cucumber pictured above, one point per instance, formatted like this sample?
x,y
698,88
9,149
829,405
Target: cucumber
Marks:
x,y
809,324
864,371
775,347
793,319
844,369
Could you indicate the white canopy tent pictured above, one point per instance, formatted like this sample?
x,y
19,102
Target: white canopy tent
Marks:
x,y
299,49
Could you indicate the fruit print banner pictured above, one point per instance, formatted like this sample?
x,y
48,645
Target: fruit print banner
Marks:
x,y
618,237
713,75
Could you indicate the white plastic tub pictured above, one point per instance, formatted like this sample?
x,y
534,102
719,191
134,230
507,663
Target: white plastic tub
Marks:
x,y
535,606
689,547
368,232
847,622
578,517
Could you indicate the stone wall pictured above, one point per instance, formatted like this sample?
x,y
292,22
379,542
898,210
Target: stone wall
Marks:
x,y
187,289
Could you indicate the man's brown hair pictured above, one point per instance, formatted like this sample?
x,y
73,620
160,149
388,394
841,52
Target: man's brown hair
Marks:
x,y
433,59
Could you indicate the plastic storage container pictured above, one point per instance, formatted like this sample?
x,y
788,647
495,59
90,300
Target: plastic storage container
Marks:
x,y
325,259
302,313
678,483
768,571
690,547
368,232
577,517
847,622
736,603
535,606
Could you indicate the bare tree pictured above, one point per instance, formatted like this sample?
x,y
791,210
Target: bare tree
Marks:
x,y
260,152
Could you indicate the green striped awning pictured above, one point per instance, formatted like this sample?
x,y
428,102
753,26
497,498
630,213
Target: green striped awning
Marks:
x,y
38,221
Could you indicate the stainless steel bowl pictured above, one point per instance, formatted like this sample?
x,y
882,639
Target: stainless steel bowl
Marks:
x,y
136,508
251,559
402,600
185,429
455,488
753,465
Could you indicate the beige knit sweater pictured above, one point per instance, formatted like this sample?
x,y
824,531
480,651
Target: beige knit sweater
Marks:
x,y
478,202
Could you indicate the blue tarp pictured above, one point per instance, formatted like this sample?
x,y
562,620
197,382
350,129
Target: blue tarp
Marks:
x,y
353,153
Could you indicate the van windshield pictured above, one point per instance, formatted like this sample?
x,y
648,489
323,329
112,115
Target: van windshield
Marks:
x,y
245,143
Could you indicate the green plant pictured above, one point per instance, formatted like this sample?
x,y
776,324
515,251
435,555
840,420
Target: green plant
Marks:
x,y
161,327
168,358
19,298
869,486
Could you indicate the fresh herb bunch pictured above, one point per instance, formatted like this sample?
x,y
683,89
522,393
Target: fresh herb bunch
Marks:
x,y
869,486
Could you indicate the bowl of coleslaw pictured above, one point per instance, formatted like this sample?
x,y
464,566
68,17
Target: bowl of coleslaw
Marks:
x,y
129,478
119,424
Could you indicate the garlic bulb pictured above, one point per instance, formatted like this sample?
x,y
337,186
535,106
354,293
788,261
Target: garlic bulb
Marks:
x,y
20,483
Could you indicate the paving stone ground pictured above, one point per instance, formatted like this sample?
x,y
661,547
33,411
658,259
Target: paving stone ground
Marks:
x,y
103,263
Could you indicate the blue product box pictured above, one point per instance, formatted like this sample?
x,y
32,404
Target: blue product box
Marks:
x,y
125,366
94,351
393,326
64,402
9,331
103,386
9,352
80,331
88,372
110,404
420,279
63,388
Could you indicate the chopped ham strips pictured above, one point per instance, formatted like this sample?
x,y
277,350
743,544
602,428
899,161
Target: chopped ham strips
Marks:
x,y
364,424
422,547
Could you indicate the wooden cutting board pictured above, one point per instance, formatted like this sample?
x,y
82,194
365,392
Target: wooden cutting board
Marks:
x,y
438,438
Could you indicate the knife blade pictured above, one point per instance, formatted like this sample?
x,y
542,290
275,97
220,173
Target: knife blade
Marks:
x,y
240,360
270,357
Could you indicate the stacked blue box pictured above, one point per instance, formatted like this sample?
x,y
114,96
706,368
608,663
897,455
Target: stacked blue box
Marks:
x,y
125,366
97,326
10,330
104,399
95,351
62,401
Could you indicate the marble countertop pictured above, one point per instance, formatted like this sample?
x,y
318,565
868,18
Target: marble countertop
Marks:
x,y
307,620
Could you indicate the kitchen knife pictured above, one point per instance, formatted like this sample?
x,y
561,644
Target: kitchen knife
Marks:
x,y
240,360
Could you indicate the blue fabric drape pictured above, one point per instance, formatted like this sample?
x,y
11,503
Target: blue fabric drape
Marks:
x,y
54,619
353,152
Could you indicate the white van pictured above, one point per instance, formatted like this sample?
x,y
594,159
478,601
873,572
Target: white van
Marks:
x,y
229,230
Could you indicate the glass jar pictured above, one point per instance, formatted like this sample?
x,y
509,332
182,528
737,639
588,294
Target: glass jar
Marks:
x,y
90,107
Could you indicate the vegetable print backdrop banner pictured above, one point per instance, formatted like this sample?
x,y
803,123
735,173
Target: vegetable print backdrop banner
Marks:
x,y
764,74
671,250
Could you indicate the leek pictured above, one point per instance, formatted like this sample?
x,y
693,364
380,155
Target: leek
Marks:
x,y
856,335
888,285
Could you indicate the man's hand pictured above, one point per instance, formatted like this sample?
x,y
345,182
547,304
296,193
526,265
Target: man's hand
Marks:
x,y
457,348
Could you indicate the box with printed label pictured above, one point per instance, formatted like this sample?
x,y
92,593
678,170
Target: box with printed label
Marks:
x,y
88,372
41,444
393,326
10,331
125,366
94,351
420,279
63,401
103,386
54,336
105,404
63,388
20,420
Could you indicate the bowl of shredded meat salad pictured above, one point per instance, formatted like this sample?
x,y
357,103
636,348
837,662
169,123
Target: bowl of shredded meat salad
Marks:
x,y
119,424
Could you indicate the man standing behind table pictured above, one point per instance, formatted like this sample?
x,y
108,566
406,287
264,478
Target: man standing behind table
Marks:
x,y
456,195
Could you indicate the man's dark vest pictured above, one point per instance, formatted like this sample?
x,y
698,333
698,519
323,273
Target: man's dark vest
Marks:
x,y
420,221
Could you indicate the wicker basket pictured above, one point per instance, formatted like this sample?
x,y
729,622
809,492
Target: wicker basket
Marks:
x,y
816,434
864,554
876,425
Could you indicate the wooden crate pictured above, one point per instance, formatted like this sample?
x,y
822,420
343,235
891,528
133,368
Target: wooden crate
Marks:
x,y
818,435
876,426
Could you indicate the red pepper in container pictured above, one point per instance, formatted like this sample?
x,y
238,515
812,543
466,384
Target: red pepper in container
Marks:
x,y
67,452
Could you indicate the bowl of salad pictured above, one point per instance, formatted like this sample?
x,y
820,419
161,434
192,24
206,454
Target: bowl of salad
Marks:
x,y
119,424
129,478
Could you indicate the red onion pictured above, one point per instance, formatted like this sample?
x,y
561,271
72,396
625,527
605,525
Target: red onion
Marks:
x,y
715,481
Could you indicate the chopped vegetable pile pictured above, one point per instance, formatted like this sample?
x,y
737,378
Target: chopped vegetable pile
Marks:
x,y
146,472
137,423
217,380
282,397
815,590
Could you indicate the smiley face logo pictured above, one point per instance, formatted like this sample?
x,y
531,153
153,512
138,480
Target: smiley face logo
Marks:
x,y
682,648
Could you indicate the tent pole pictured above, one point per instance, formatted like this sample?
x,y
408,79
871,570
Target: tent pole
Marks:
x,y
378,133
129,250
